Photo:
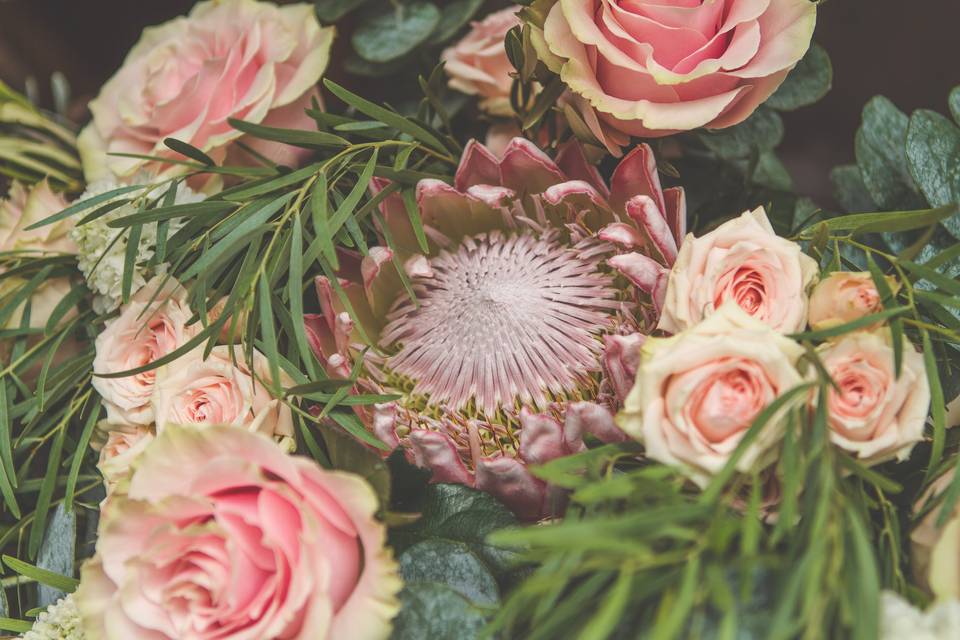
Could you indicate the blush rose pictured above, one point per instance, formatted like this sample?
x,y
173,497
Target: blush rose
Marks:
x,y
872,413
184,79
698,392
151,325
478,64
655,67
845,296
745,261
221,390
219,534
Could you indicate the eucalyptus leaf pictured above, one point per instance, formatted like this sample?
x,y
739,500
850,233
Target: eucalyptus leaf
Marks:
x,y
880,149
57,552
809,81
454,15
452,564
329,11
761,132
435,611
385,35
933,152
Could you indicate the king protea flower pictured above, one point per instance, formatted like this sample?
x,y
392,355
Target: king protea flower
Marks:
x,y
538,285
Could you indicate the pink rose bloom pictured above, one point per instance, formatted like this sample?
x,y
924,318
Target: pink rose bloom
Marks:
x,y
698,392
845,296
124,445
241,59
745,261
655,67
222,535
478,64
151,325
875,415
220,391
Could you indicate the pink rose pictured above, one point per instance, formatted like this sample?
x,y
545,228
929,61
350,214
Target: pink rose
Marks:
x,y
241,59
478,64
151,325
654,67
222,535
873,414
745,261
698,392
124,445
935,551
221,390
845,296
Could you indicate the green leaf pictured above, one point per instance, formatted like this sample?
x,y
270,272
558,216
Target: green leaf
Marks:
x,y
58,551
954,101
8,474
849,189
189,151
853,325
329,11
809,81
388,33
347,453
933,151
79,453
391,118
454,16
55,580
866,595
295,137
46,492
761,132
605,620
452,564
14,625
437,612
879,146
85,204
937,407
895,323
459,513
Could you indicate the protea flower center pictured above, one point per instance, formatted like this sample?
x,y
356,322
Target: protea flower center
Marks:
x,y
502,321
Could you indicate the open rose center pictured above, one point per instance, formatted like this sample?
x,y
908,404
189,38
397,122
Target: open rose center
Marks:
x,y
727,403
216,400
747,286
861,387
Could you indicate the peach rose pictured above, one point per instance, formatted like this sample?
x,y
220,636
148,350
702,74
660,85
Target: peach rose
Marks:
x,y
874,414
220,391
241,59
221,535
478,64
151,325
124,445
936,550
745,261
698,392
845,296
655,67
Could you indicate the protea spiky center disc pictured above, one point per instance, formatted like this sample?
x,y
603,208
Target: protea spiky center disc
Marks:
x,y
501,321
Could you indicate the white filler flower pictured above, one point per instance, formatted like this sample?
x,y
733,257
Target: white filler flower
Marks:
x,y
899,620
102,249
61,621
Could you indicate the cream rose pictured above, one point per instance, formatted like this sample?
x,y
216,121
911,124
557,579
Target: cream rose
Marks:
x,y
845,296
873,414
220,391
698,392
24,206
184,79
124,445
151,325
745,261
936,550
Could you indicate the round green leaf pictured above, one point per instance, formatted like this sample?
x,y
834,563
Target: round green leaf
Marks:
x,y
332,10
452,564
454,16
387,35
879,148
437,612
759,133
933,154
809,81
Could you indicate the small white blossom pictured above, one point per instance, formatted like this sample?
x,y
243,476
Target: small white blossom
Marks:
x,y
61,621
899,620
101,253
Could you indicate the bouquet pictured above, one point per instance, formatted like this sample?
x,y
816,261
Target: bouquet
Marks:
x,y
414,319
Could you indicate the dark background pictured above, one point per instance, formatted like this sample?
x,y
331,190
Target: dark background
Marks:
x,y
906,49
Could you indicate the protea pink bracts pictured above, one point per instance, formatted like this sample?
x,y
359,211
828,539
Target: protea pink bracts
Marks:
x,y
536,288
